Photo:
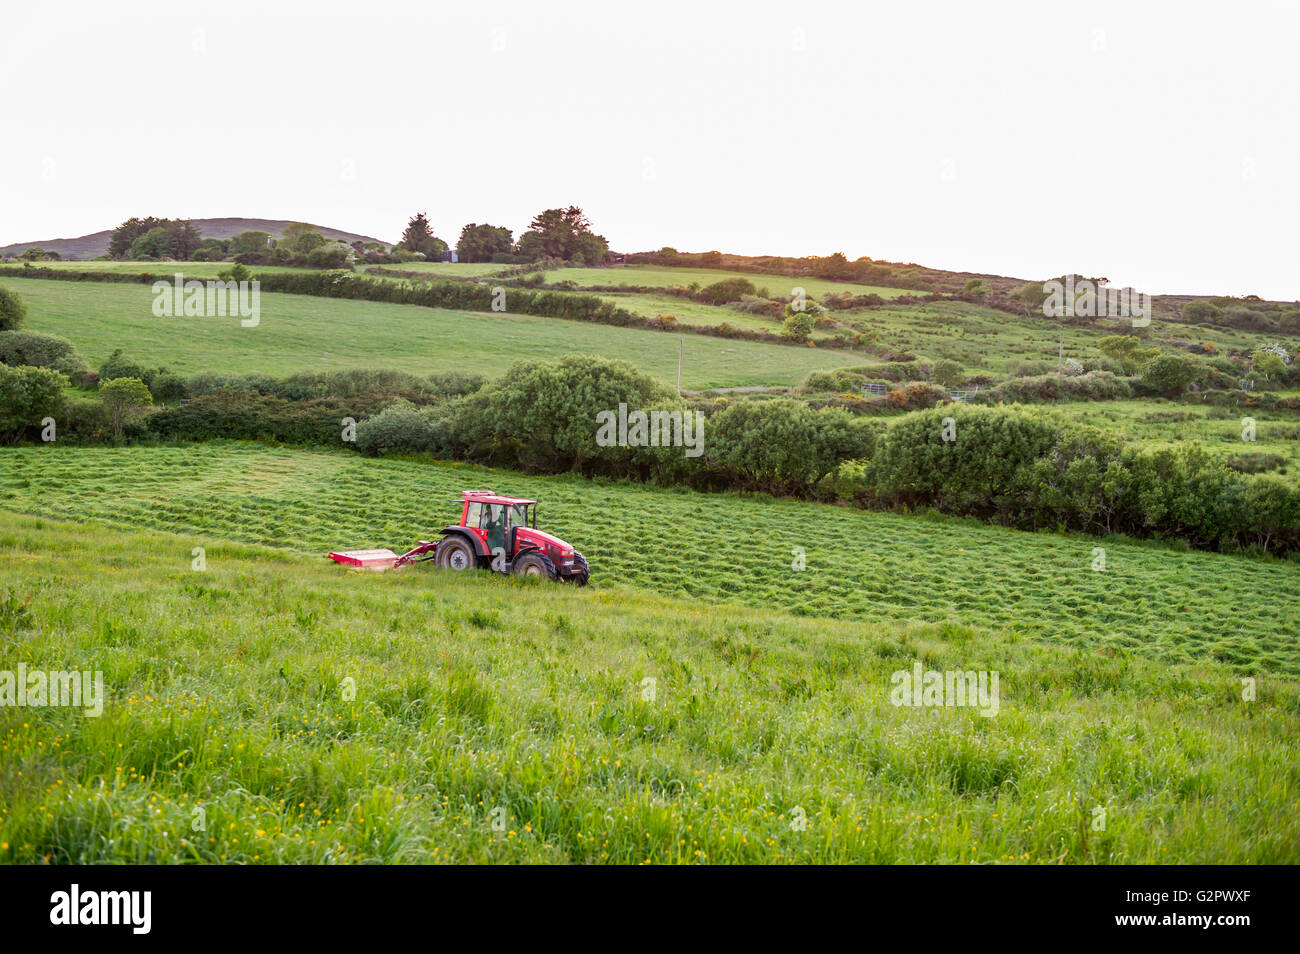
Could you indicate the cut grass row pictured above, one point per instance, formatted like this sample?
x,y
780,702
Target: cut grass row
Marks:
x,y
273,708
1150,600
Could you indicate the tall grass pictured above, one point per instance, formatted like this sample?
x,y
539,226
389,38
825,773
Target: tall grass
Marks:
x,y
230,733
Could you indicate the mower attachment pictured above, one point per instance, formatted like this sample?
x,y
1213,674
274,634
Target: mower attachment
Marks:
x,y
365,559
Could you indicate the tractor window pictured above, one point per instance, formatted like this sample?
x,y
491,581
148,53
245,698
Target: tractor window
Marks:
x,y
493,516
475,515
519,515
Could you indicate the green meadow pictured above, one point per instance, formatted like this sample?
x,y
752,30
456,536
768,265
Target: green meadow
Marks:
x,y
1150,601
303,333
272,707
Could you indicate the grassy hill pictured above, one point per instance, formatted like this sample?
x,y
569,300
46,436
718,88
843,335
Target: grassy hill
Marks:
x,y
96,243
301,333
276,708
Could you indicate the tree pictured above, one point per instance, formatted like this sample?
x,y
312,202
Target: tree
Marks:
x,y
27,395
38,350
1127,350
562,233
419,237
12,310
253,240
119,243
798,325
184,239
123,399
1268,363
975,290
154,244
1031,299
478,243
784,446
118,365
1169,373
948,373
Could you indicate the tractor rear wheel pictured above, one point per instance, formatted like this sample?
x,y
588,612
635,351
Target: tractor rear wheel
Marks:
x,y
455,554
534,564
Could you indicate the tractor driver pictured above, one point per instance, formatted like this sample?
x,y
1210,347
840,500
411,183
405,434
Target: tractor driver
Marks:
x,y
496,527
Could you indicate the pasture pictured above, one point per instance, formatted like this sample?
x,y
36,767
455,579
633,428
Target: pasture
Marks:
x,y
303,333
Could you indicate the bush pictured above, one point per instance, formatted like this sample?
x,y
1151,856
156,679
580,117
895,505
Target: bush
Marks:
x,y
12,310
118,365
455,383
248,415
1169,374
167,388
400,428
39,350
723,292
783,446
948,373
798,326
1092,386
542,415
27,396
123,398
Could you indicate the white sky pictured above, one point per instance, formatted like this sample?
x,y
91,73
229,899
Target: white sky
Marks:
x,y
1154,143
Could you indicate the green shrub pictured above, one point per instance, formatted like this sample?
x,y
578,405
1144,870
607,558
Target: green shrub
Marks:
x,y
123,400
248,415
27,396
798,326
948,373
12,310
1169,374
39,350
725,291
783,446
400,428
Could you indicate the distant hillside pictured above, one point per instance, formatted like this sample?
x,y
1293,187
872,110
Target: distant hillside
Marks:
x,y
96,243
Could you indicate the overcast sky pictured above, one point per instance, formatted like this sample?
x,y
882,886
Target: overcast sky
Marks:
x,y
1157,144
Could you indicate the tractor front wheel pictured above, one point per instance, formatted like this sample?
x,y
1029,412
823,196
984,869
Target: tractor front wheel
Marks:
x,y
455,554
583,573
535,564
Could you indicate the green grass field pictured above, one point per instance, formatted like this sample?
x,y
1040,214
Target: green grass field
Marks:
x,y
272,707
1218,429
650,276
1151,601
303,333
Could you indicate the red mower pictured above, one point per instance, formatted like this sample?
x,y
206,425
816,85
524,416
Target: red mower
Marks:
x,y
496,533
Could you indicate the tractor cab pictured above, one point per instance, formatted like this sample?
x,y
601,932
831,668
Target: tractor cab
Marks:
x,y
494,519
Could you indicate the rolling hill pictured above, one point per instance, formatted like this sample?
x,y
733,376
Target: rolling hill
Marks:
x,y
96,243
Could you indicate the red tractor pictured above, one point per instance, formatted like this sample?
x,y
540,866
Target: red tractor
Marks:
x,y
496,533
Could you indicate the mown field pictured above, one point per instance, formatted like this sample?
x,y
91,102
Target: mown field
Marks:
x,y
1151,601
303,333
1275,448
274,708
